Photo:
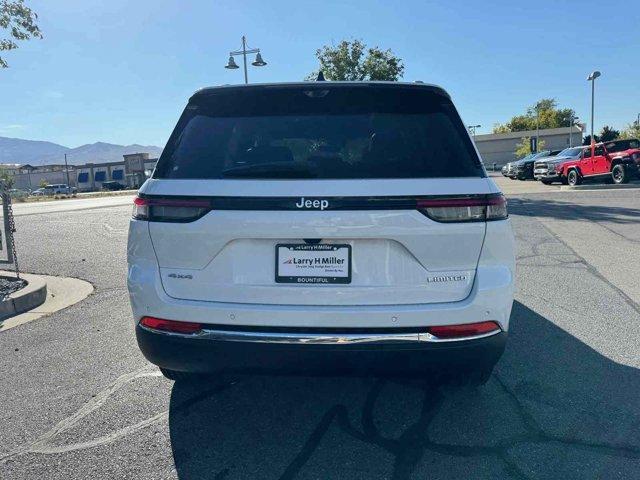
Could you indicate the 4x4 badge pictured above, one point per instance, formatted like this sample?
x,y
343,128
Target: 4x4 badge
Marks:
x,y
181,276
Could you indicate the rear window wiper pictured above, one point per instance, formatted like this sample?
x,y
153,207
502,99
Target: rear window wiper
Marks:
x,y
270,170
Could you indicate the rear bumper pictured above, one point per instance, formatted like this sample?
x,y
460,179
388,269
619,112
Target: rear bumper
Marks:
x,y
246,352
491,298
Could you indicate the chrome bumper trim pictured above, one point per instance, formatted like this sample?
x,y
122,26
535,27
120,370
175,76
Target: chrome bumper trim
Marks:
x,y
319,338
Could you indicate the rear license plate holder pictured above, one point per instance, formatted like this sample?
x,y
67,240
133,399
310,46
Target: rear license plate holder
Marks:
x,y
314,264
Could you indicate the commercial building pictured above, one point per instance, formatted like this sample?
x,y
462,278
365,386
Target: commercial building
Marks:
x,y
132,171
499,148
28,177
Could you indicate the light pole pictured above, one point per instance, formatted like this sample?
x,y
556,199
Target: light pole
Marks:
x,y
537,125
572,121
232,65
592,78
472,129
66,169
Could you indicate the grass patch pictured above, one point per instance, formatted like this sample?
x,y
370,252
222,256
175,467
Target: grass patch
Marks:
x,y
31,199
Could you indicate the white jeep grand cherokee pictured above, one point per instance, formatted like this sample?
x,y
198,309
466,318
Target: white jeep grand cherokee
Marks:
x,y
321,227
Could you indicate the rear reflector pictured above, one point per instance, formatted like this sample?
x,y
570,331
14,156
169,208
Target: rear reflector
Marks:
x,y
169,209
480,208
170,325
467,330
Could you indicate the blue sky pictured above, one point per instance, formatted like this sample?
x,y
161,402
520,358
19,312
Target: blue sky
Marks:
x,y
121,71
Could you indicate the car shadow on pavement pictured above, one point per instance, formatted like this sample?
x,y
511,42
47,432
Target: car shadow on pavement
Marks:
x,y
554,408
563,210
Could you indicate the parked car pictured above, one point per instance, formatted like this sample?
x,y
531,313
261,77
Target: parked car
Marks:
x,y
625,149
510,170
59,189
321,227
18,193
618,160
512,166
113,186
39,192
545,168
505,170
524,168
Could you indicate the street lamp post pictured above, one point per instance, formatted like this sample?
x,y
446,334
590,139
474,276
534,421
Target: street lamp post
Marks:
x,y
66,169
572,122
592,78
259,62
472,128
537,125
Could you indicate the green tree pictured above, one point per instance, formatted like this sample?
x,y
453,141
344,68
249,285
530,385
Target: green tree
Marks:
x,y
544,113
587,139
20,22
43,183
524,147
607,134
6,178
352,60
632,131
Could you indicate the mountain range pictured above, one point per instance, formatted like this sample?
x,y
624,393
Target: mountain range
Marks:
x,y
33,152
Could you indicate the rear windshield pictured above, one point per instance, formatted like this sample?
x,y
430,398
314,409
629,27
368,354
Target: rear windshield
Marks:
x,y
335,133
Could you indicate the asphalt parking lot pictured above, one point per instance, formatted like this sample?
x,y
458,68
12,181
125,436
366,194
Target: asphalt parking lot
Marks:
x,y
77,399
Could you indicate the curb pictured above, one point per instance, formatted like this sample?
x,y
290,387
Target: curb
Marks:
x,y
600,187
25,299
61,292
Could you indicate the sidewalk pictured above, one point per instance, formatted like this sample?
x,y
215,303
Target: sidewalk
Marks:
x,y
61,292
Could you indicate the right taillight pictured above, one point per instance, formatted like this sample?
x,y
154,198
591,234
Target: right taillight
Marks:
x,y
465,330
464,209
169,209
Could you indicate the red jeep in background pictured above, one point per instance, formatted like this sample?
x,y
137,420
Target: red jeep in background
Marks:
x,y
618,159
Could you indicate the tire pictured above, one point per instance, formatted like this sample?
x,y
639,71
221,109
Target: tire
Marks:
x,y
619,174
177,376
573,178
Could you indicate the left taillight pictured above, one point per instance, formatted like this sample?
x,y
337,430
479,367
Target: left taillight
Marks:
x,y
480,208
170,325
169,209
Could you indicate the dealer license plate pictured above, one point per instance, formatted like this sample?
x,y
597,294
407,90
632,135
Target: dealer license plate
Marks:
x,y
320,263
